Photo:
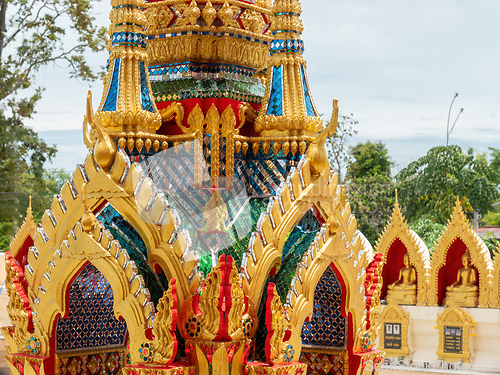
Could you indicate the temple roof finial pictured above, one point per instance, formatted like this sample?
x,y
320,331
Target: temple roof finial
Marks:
x,y
288,107
127,103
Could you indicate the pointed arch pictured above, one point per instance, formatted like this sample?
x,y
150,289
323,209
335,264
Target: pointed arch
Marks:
x,y
292,201
457,238
131,297
134,196
396,241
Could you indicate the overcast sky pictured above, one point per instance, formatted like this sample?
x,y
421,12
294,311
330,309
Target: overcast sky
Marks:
x,y
394,64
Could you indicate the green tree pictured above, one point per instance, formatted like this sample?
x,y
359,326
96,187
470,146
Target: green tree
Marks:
x,y
428,230
32,35
431,184
370,159
370,189
338,145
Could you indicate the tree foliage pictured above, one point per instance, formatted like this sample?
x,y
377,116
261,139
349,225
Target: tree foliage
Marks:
x,y
372,200
370,159
33,34
428,230
338,145
370,189
431,184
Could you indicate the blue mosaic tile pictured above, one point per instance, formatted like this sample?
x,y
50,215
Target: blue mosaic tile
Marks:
x,y
307,97
130,240
286,45
111,98
275,106
126,38
146,102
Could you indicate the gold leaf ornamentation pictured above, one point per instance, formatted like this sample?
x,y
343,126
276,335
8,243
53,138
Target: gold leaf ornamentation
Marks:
x,y
209,13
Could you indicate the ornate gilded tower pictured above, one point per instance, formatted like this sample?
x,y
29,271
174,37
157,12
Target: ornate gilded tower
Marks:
x,y
204,231
288,107
127,103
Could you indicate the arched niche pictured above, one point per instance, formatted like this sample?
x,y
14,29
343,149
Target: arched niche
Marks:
x,y
448,272
325,335
393,263
396,241
457,238
89,338
327,326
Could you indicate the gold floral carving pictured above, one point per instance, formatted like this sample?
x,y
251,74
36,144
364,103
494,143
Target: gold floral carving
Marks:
x,y
209,14
221,311
456,317
226,14
418,254
393,313
176,110
253,21
278,328
458,227
158,17
213,120
192,13
208,48
164,325
17,308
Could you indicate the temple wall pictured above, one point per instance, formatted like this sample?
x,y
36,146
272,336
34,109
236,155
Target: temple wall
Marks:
x,y
423,338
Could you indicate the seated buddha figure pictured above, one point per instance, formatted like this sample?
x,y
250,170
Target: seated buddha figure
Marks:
x,y
404,290
464,291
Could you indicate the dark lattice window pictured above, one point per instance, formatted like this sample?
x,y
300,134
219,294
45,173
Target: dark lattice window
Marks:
x,y
91,322
327,327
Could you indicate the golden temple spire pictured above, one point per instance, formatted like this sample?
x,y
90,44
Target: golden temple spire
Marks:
x,y
127,103
287,107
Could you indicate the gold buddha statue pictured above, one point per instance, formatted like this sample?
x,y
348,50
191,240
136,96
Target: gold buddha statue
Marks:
x,y
464,292
404,290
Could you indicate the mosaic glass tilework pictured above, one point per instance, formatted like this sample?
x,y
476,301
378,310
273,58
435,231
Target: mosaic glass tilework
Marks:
x,y
275,106
325,364
327,327
130,240
240,245
126,38
111,98
286,45
231,35
146,103
91,322
107,363
190,85
173,173
307,96
201,71
297,244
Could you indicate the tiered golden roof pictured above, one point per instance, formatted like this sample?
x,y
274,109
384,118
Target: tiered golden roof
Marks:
x,y
127,103
232,31
287,107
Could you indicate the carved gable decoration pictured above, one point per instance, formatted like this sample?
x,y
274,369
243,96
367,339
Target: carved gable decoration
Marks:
x,y
396,233
460,238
